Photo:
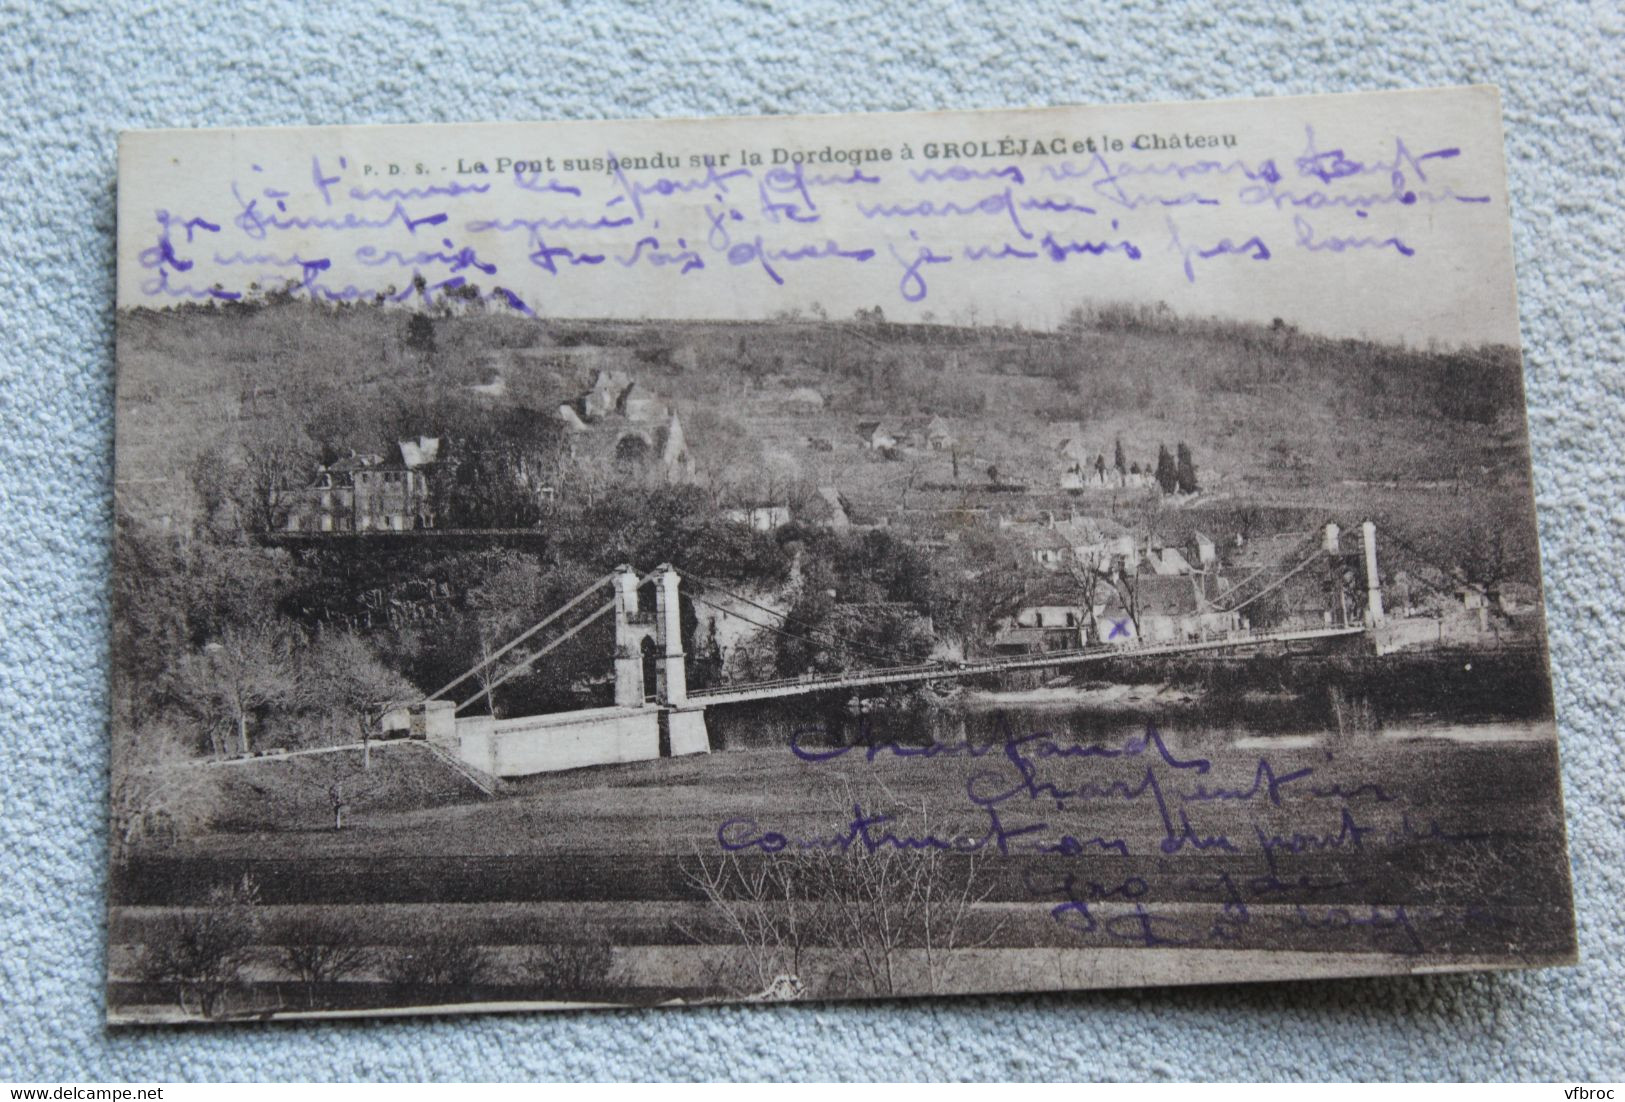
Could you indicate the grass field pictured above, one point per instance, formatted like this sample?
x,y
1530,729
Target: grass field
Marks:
x,y
1392,853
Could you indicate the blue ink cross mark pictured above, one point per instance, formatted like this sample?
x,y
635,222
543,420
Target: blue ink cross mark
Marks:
x,y
1119,629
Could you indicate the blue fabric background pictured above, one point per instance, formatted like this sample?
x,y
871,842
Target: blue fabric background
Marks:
x,y
76,72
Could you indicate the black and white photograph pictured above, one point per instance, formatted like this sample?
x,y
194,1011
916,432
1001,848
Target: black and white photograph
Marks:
x,y
814,558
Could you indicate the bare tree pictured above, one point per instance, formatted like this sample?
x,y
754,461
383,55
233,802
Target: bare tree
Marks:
x,y
732,462
248,667
876,920
343,674
504,604
274,459
317,952
344,790
1482,559
158,790
771,912
336,782
1128,590
576,969
1088,574
880,922
205,948
441,963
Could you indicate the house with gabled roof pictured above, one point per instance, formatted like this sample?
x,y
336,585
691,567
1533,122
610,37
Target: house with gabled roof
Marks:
x,y
875,437
365,493
1166,608
828,508
1166,561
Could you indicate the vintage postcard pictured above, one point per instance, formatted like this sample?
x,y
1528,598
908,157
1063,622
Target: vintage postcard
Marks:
x,y
642,563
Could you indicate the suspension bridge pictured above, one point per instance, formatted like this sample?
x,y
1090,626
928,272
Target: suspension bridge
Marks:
x,y
668,718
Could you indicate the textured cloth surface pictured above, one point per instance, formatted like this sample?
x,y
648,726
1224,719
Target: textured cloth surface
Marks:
x,y
76,72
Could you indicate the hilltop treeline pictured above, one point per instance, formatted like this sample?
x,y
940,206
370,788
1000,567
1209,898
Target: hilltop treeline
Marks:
x,y
1109,355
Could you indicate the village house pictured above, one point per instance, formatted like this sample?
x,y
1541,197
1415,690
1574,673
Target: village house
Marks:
x,y
1048,620
605,395
363,493
1126,610
1171,608
1160,608
1055,612
938,435
1047,547
1144,592
1072,540
613,393
874,436
1012,640
1166,561
1080,467
1098,542
1206,551
1518,598
828,508
1114,620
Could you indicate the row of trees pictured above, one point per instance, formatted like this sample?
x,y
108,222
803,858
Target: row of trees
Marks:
x,y
267,678
203,957
333,678
1173,474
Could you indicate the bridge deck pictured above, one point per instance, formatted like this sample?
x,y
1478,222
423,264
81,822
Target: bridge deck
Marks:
x,y
936,671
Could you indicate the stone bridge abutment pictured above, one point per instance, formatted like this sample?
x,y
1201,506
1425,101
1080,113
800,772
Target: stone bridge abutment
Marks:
x,y
635,728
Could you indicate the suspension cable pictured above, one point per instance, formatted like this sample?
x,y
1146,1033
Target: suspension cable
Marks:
x,y
784,617
1454,574
492,657
759,624
1276,584
527,662
1231,591
821,643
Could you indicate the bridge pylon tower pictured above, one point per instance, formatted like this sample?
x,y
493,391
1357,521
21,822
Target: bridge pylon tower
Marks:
x,y
663,627
671,675
1373,580
632,627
